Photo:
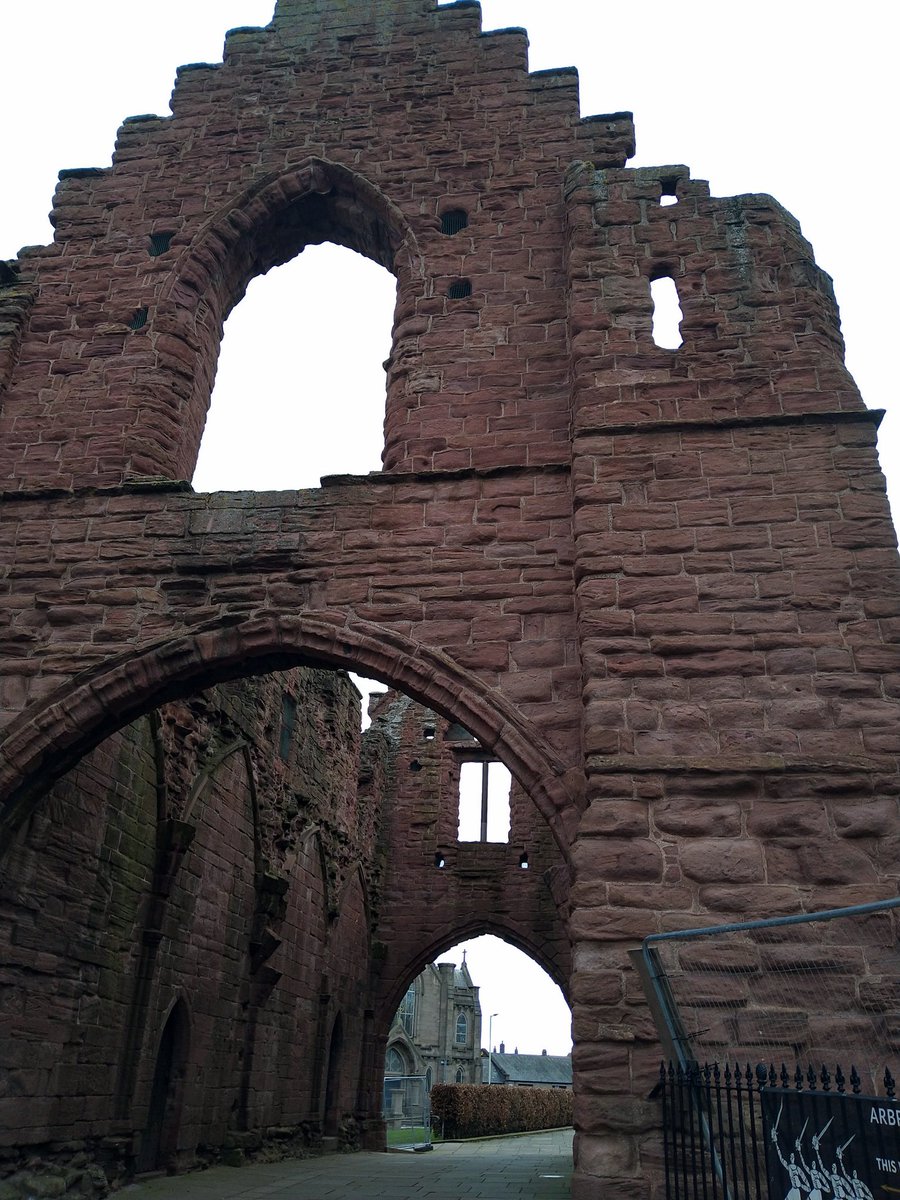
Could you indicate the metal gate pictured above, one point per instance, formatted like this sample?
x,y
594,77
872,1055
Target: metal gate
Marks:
x,y
754,1133
406,1108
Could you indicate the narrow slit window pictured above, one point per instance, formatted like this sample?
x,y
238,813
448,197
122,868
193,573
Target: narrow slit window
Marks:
x,y
667,314
484,789
459,289
288,725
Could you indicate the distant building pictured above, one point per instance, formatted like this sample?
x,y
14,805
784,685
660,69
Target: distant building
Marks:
x,y
527,1070
437,1029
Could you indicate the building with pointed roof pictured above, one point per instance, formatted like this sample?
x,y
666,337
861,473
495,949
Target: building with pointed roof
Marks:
x,y
437,1030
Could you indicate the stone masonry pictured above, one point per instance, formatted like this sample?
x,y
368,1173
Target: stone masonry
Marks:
x,y
661,586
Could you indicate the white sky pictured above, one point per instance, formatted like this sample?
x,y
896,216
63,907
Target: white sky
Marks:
x,y
792,97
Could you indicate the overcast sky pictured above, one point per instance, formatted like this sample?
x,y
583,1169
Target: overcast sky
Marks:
x,y
796,98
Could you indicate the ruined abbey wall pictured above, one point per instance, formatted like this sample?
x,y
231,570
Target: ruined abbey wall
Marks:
x,y
210,855
660,585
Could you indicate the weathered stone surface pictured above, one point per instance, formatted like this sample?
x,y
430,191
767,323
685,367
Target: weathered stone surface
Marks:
x,y
722,860
660,585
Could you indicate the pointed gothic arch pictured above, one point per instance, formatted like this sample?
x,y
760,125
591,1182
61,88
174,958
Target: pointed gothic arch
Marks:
x,y
49,737
267,225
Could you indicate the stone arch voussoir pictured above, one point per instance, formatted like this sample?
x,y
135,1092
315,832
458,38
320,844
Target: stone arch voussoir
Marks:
x,y
206,258
52,735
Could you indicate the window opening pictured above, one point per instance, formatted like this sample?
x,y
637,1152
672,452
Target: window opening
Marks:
x,y
523,860
484,788
407,1011
459,289
139,319
160,243
288,725
429,1077
439,861
667,314
393,1063
669,194
428,733
462,1030
454,221
459,1075
290,404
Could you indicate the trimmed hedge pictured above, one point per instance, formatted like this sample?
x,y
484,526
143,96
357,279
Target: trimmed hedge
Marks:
x,y
464,1110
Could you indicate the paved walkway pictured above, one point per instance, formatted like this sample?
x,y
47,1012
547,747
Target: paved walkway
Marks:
x,y
537,1166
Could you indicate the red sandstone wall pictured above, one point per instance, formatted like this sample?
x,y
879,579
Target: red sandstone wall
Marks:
x,y
238,194
661,585
188,858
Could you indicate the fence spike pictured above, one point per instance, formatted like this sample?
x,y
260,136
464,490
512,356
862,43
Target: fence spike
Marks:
x,y
773,1077
811,1080
855,1081
839,1080
826,1079
889,1084
798,1078
785,1081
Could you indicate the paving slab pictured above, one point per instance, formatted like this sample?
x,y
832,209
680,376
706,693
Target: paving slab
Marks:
x,y
532,1167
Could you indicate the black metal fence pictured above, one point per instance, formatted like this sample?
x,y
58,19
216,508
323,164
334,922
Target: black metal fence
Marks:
x,y
755,1133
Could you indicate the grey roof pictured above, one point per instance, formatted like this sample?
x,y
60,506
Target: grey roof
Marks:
x,y
547,1070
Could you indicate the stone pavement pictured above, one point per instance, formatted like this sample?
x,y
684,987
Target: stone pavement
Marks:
x,y
533,1167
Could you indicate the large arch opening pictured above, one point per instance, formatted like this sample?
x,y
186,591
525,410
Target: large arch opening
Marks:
x,y
50,737
461,1020
226,844
300,382
270,225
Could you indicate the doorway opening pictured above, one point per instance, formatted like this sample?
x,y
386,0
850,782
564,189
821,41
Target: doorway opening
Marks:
x,y
159,1145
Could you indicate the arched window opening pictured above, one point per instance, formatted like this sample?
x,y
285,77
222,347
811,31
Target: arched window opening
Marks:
x,y
407,1012
484,814
393,1063
462,1030
300,385
459,1075
667,314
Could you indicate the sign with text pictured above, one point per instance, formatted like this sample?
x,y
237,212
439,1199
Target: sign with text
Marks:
x,y
831,1146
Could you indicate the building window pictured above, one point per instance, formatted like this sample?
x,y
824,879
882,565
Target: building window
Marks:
x,y
407,1011
459,1075
484,787
428,1079
393,1063
462,1029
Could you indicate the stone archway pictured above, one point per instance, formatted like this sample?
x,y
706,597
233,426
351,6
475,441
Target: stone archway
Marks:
x,y
266,225
660,585
42,744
